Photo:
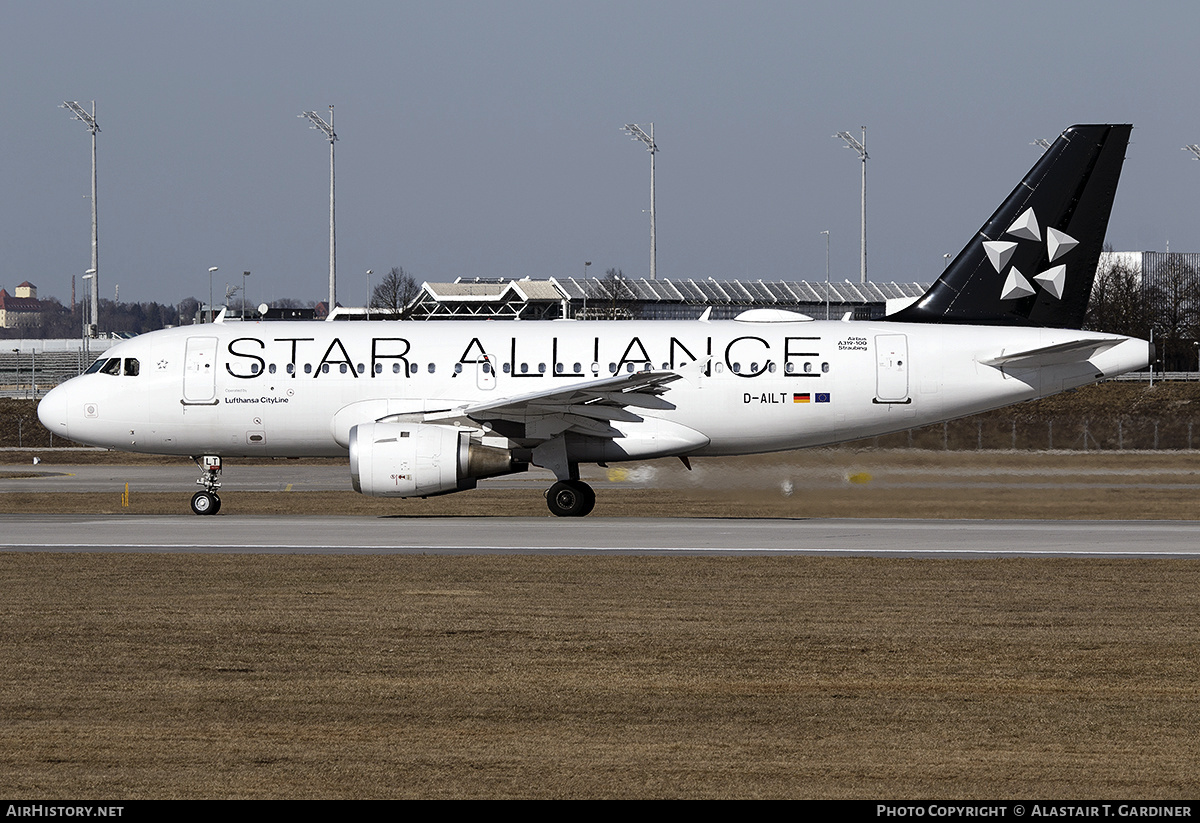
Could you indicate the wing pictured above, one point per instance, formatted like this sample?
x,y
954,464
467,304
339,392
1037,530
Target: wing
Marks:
x,y
586,408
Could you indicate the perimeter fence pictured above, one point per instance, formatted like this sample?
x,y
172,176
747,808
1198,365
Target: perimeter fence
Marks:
x,y
1064,433
20,428
29,375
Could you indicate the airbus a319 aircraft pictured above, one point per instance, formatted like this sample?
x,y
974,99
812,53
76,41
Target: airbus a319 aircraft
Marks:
x,y
428,408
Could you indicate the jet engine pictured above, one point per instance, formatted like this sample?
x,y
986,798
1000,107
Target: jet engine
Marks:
x,y
421,460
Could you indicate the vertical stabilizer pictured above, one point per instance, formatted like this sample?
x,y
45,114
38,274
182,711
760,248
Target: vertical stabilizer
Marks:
x,y
1033,262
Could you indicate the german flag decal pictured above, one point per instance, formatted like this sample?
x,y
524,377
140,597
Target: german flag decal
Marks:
x,y
802,398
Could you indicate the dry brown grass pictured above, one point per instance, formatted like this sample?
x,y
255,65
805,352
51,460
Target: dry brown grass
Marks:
x,y
1021,503
896,483
183,676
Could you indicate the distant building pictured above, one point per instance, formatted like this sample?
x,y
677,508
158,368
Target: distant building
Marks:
x,y
662,299
1161,273
22,310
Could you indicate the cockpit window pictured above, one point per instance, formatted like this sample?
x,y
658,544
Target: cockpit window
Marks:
x,y
112,366
97,366
131,367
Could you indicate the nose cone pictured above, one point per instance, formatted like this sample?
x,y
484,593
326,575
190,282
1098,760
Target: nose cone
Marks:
x,y
52,411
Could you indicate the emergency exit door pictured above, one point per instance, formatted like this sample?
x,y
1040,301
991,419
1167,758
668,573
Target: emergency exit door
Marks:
x,y
891,368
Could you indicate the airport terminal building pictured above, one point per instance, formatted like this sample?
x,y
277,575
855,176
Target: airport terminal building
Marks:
x,y
643,299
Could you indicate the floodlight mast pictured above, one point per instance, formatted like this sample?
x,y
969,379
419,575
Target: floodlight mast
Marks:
x,y
89,120
861,148
636,133
320,125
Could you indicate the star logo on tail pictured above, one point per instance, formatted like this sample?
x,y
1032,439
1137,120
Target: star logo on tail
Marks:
x,y
1016,284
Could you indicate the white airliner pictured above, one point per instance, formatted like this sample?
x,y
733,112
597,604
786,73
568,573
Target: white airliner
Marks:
x,y
427,408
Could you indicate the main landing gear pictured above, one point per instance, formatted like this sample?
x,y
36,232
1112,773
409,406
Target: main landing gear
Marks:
x,y
208,501
571,498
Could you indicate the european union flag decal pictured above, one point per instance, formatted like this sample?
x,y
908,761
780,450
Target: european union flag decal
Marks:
x,y
822,397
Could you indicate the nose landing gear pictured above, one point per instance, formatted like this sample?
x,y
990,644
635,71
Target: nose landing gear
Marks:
x,y
208,501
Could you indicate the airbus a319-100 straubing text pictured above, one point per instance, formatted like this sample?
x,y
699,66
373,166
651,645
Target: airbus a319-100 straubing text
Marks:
x,y
427,408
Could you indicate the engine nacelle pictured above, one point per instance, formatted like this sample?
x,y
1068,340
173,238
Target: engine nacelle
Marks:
x,y
421,460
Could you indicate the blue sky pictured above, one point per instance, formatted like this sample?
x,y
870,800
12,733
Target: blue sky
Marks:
x,y
484,138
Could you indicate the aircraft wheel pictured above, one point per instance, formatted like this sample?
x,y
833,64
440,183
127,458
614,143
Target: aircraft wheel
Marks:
x,y
205,503
589,496
570,498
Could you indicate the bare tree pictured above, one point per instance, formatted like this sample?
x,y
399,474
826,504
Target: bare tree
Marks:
x,y
1119,303
1175,299
395,293
616,291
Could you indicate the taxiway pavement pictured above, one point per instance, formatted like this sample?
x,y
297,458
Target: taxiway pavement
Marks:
x,y
252,534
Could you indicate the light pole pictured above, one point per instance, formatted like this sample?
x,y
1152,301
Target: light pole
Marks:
x,y
211,313
636,133
826,233
88,276
369,273
89,120
861,148
245,274
319,124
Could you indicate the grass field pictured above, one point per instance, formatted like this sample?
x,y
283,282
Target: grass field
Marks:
x,y
183,676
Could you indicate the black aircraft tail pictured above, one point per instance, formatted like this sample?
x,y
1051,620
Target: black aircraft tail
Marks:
x,y
1033,262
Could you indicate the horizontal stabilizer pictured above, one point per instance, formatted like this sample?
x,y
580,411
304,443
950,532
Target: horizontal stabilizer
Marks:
x,y
1074,351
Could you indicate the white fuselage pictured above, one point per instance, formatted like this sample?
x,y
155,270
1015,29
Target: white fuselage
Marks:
x,y
291,389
